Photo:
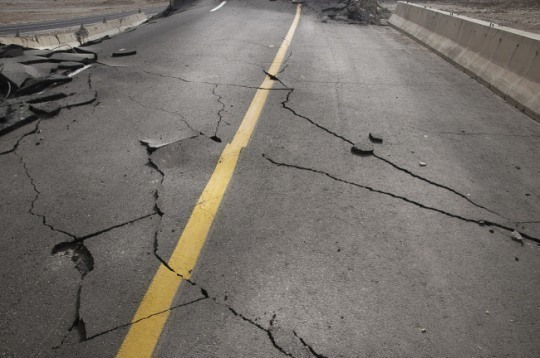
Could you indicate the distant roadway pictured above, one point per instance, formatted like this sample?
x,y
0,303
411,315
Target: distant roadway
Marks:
x,y
11,29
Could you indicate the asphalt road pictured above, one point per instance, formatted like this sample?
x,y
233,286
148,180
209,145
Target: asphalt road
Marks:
x,y
10,30
314,251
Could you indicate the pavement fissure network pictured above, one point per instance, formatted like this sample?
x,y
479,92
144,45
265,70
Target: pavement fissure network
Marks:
x,y
285,105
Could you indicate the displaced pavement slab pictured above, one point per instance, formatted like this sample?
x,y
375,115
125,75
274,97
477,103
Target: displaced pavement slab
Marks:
x,y
43,53
78,99
31,59
37,84
14,72
73,57
17,118
70,65
48,109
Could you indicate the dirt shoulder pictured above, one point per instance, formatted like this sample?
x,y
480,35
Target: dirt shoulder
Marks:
x,y
27,11
519,14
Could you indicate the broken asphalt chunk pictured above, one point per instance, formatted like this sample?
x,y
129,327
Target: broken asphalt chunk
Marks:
x,y
78,99
422,164
376,137
46,97
516,236
14,72
45,68
37,84
124,52
43,53
48,108
11,51
30,59
74,57
17,119
70,65
364,148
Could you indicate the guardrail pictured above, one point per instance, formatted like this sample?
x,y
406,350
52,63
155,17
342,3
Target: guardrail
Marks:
x,y
504,59
78,37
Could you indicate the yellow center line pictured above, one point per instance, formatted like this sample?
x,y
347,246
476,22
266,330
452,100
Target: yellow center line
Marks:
x,y
143,336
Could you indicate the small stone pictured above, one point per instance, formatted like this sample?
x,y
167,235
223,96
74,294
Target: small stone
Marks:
x,y
364,147
48,108
491,231
376,137
487,312
423,330
516,236
481,223
422,164
516,258
325,19
124,52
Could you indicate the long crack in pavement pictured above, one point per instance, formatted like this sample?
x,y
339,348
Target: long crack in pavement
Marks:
x,y
285,105
395,196
219,114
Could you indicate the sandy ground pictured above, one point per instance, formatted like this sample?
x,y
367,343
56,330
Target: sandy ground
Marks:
x,y
519,14
24,11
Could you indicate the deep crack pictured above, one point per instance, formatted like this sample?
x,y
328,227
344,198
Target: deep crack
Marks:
x,y
310,348
396,196
214,83
268,331
387,161
219,114
16,145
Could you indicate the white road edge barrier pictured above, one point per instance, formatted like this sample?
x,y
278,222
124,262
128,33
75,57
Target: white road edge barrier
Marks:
x,y
504,59
74,38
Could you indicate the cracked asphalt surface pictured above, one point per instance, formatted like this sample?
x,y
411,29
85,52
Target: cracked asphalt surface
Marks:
x,y
315,251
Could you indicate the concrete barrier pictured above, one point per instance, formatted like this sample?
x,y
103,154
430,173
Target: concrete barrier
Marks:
x,y
504,59
73,38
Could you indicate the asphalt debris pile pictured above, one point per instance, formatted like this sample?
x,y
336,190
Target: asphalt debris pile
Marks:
x,y
362,12
30,80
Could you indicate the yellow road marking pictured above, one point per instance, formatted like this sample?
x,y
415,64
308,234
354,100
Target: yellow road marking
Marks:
x,y
142,337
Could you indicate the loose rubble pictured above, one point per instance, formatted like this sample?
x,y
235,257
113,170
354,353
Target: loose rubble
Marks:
x,y
363,12
27,81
